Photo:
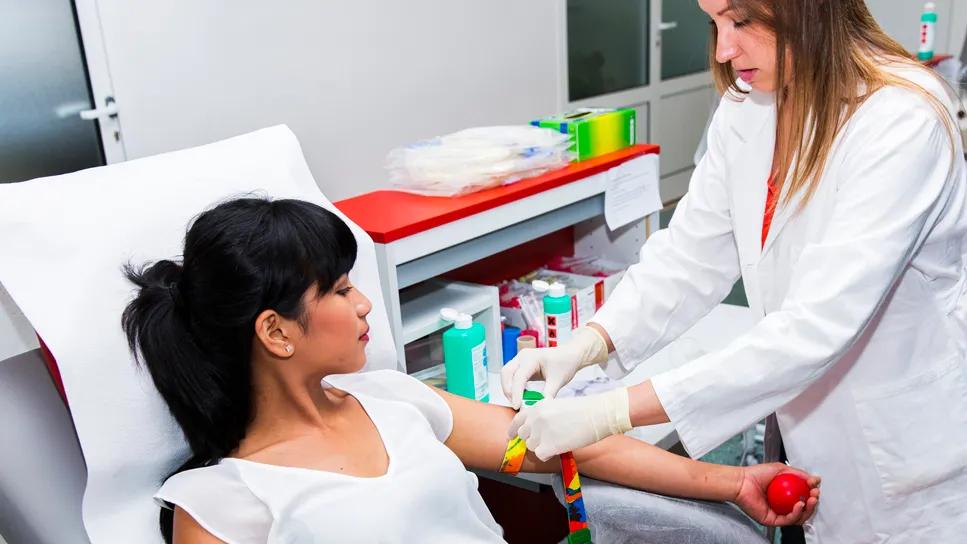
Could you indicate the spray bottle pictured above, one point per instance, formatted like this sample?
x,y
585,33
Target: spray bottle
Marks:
x,y
928,31
557,312
465,356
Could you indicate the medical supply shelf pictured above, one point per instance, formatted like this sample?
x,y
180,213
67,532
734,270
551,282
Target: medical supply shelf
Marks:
x,y
421,307
420,237
389,216
420,311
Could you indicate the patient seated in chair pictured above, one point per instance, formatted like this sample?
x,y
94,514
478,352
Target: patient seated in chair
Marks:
x,y
254,339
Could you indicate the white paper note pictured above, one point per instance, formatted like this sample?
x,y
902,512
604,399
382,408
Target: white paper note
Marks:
x,y
632,191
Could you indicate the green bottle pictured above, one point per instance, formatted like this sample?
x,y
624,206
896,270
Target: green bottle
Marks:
x,y
557,312
465,356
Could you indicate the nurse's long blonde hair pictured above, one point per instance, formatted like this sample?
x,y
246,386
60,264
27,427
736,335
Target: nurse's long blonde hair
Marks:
x,y
834,49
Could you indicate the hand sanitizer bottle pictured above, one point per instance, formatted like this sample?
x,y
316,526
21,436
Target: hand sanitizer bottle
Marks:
x,y
465,356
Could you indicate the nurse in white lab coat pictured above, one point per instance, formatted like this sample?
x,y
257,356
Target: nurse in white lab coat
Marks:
x,y
860,281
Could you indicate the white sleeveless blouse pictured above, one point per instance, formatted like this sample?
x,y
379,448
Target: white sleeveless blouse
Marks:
x,y
426,495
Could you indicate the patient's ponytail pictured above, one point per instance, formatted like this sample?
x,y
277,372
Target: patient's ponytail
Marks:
x,y
192,323
205,394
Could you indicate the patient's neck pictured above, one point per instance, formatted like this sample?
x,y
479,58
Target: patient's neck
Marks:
x,y
288,403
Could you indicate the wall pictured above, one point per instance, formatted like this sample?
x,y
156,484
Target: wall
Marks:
x,y
958,28
352,79
901,20
355,79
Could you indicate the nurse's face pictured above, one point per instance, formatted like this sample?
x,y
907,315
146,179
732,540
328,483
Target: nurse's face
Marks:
x,y
747,46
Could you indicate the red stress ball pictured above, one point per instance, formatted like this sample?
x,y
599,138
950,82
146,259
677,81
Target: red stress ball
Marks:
x,y
785,490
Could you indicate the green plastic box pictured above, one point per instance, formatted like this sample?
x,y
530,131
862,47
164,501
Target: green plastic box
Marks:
x,y
594,131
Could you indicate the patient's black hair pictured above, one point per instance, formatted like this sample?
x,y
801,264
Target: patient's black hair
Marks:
x,y
192,323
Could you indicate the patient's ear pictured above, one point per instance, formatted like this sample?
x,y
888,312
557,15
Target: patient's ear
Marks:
x,y
272,331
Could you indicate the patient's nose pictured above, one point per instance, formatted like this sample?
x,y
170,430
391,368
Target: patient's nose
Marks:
x,y
364,306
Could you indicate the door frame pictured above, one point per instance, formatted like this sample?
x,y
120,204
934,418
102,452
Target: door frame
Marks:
x,y
99,74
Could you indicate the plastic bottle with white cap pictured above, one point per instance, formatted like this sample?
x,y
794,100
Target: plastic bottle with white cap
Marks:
x,y
465,356
557,312
928,31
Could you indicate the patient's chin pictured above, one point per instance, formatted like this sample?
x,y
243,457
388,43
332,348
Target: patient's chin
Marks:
x,y
346,365
359,364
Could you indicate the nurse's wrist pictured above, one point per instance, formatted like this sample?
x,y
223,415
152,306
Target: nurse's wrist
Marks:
x,y
591,346
644,407
609,345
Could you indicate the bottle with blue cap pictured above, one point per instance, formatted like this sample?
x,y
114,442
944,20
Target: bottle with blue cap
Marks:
x,y
465,356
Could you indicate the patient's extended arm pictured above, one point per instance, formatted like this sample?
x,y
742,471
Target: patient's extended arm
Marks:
x,y
479,438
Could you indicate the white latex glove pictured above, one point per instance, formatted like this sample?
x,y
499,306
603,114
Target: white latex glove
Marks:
x,y
557,365
555,426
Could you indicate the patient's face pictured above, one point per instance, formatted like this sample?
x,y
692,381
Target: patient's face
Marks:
x,y
336,332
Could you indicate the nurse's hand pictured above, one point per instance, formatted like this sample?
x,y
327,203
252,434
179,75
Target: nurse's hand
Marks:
x,y
751,496
556,365
555,426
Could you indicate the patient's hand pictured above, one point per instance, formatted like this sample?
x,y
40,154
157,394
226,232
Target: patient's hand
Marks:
x,y
751,496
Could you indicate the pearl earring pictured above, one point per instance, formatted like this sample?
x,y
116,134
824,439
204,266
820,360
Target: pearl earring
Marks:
x,y
288,348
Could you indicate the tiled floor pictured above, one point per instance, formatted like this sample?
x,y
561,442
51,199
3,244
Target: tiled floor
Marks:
x,y
729,453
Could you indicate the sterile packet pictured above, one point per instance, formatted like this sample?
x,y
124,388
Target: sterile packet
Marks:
x,y
477,158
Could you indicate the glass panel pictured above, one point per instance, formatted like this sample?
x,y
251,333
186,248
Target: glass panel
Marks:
x,y
607,47
684,49
44,86
643,122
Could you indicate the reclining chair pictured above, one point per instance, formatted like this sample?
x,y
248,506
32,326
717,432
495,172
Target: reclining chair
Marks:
x,y
83,467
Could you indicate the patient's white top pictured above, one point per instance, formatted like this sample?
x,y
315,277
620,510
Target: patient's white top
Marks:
x,y
426,494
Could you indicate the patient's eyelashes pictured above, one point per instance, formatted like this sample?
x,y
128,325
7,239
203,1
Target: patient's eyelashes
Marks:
x,y
344,291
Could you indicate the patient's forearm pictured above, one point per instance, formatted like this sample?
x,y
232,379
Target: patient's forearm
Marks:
x,y
479,438
633,463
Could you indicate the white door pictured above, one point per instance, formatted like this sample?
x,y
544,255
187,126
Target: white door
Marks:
x,y
47,86
650,55
45,89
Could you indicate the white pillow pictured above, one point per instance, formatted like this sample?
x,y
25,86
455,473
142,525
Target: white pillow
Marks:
x,y
63,241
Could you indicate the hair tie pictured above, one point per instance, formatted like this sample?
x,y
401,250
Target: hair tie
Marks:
x,y
174,293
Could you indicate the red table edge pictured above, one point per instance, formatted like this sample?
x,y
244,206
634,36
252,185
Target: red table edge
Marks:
x,y
363,210
935,60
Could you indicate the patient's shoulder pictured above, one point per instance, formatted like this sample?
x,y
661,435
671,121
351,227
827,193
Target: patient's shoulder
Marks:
x,y
218,500
187,529
396,386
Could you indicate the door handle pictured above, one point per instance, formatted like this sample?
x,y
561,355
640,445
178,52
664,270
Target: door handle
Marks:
x,y
663,26
110,109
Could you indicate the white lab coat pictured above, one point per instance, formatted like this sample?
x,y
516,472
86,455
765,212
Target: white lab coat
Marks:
x,y
861,346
